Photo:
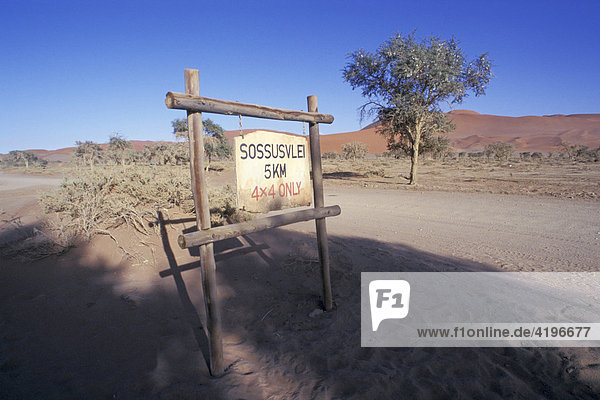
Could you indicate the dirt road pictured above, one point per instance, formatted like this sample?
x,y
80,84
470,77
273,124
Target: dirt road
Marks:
x,y
517,233
18,190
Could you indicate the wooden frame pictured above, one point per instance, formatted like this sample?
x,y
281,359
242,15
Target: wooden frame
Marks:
x,y
205,236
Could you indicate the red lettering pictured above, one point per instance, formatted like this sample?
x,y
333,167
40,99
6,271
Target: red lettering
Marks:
x,y
282,186
255,193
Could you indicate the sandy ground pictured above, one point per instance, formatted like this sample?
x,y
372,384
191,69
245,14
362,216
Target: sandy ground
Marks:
x,y
94,323
18,202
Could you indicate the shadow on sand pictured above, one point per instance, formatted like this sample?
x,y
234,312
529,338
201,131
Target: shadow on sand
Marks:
x,y
75,327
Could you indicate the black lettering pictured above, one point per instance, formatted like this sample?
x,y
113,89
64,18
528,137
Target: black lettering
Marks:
x,y
252,151
301,151
268,148
282,170
259,151
243,151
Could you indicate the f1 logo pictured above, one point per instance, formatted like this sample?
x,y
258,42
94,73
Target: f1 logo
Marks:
x,y
389,299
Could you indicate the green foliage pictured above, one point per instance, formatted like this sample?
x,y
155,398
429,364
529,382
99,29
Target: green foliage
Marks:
x,y
180,128
215,142
354,150
436,144
406,80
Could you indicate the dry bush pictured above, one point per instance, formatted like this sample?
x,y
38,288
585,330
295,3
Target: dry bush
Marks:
x,y
95,201
330,155
223,207
375,172
354,150
27,243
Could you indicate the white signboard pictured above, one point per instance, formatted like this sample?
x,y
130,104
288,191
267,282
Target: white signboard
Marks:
x,y
272,171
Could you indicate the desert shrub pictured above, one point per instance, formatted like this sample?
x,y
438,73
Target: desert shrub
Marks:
x,y
450,155
97,200
330,155
578,152
375,172
395,153
166,153
354,150
536,155
500,150
223,207
525,155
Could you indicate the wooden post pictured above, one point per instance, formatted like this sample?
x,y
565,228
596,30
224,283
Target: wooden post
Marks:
x,y
207,258
315,157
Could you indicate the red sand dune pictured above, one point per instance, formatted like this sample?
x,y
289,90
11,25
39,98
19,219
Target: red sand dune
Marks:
x,y
473,131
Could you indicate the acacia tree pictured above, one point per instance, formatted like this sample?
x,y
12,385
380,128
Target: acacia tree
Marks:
x,y
406,80
88,152
25,156
119,146
500,150
215,142
180,128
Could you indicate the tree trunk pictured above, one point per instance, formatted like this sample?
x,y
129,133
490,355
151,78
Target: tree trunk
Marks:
x,y
414,159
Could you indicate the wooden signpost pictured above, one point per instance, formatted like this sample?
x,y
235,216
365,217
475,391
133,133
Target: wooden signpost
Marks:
x,y
281,180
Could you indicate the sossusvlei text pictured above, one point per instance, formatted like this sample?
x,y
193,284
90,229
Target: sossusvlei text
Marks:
x,y
269,150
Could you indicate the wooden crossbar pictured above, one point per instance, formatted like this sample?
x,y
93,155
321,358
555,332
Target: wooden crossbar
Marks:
x,y
189,102
212,235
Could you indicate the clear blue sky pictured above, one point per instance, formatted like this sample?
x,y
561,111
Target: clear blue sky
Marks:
x,y
81,70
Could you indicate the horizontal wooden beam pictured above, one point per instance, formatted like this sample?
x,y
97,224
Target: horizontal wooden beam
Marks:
x,y
212,235
183,101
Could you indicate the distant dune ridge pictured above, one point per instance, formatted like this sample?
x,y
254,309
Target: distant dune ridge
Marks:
x,y
473,131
